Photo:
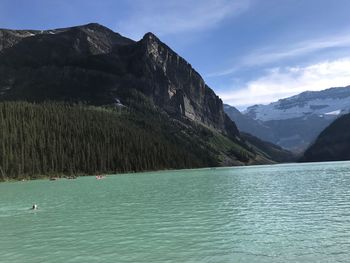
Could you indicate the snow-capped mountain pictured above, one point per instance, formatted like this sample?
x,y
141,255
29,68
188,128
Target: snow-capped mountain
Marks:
x,y
327,103
294,122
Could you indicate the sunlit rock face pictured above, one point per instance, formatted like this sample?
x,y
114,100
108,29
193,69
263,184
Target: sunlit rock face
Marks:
x,y
178,87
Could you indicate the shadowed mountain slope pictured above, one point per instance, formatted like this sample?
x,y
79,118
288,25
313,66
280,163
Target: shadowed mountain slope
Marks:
x,y
333,143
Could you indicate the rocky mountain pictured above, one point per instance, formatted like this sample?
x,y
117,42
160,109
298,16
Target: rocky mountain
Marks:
x,y
248,124
92,65
333,143
293,123
325,103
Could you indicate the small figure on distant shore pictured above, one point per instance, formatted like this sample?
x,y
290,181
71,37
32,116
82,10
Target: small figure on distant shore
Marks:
x,y
35,207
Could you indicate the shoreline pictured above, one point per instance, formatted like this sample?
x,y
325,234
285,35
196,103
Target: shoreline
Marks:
x,y
11,180
60,177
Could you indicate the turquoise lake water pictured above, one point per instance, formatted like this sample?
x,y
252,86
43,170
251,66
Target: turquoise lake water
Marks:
x,y
277,213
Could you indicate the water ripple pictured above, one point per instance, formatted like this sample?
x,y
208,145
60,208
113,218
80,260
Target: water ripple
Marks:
x,y
280,213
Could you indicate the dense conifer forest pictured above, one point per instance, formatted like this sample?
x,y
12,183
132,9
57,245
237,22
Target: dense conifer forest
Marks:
x,y
54,139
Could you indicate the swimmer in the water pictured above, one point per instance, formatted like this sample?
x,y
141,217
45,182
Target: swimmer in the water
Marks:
x,y
34,207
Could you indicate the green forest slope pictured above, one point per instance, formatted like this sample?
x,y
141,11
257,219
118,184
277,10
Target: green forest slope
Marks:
x,y
333,143
53,139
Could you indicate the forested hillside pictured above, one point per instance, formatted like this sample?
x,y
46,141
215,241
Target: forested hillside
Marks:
x,y
333,143
268,149
40,140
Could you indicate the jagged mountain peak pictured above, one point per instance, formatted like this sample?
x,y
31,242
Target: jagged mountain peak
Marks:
x,y
95,25
98,29
150,36
155,46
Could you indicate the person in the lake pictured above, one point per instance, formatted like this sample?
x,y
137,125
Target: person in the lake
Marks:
x,y
34,207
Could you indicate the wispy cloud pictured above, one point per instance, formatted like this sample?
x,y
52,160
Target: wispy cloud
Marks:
x,y
265,56
273,54
169,17
283,82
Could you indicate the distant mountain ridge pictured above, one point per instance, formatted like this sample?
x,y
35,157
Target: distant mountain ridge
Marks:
x,y
293,123
326,103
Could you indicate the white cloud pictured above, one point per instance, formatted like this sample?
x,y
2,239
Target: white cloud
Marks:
x,y
169,17
284,82
265,56
275,54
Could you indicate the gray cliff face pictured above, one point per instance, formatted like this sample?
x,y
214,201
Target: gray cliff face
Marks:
x,y
93,64
9,38
178,88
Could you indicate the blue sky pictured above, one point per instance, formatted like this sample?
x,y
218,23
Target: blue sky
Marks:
x,y
248,51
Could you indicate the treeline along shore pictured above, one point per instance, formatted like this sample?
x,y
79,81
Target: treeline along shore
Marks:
x,y
40,140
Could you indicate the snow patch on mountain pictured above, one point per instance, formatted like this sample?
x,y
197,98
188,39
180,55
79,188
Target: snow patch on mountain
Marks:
x,y
336,112
327,103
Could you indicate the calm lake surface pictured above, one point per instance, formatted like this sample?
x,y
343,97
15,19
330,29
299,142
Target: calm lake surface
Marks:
x,y
278,213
